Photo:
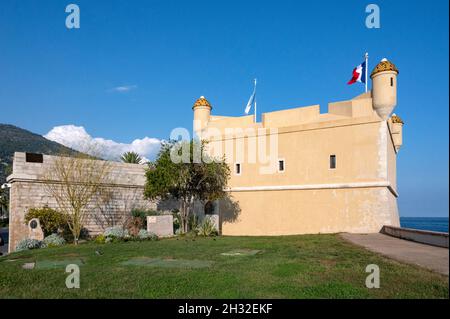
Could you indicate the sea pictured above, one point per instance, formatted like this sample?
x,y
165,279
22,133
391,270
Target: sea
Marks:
x,y
439,224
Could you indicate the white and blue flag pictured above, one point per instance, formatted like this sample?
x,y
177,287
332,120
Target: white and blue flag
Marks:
x,y
251,101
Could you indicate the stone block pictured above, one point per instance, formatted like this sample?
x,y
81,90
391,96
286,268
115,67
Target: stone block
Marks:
x,y
161,225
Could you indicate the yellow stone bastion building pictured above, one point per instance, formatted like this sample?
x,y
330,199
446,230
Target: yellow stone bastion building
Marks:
x,y
299,171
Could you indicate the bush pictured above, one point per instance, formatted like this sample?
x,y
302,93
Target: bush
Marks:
x,y
116,233
145,235
134,225
51,220
54,240
26,244
100,239
66,233
191,233
193,223
4,222
207,228
176,221
142,214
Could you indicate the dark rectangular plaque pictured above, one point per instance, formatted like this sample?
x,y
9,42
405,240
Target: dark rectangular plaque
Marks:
x,y
34,158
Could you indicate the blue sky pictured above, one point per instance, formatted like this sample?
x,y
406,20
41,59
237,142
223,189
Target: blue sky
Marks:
x,y
168,53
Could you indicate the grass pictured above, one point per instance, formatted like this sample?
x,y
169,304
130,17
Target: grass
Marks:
x,y
309,266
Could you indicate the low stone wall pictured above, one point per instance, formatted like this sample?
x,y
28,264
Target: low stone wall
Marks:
x,y
420,236
124,190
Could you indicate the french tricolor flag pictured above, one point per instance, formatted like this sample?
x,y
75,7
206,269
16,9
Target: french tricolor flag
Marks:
x,y
359,74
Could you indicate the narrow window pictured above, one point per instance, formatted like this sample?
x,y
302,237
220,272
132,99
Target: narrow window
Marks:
x,y
392,81
34,158
332,161
238,169
281,165
209,208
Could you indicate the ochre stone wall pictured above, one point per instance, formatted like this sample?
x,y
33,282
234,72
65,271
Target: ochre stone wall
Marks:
x,y
312,211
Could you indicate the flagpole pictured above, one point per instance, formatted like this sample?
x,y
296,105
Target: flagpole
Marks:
x,y
367,68
255,102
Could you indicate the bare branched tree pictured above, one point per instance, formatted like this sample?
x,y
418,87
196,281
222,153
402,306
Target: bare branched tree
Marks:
x,y
74,181
108,214
105,215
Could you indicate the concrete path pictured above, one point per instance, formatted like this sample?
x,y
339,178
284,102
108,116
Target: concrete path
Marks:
x,y
431,257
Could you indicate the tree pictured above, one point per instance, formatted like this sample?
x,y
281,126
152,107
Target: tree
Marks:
x,y
187,181
131,157
4,201
4,192
74,181
8,169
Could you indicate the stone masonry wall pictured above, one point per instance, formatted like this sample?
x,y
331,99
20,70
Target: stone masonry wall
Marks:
x,y
124,193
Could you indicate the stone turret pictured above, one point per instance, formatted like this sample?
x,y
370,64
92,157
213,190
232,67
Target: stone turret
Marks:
x,y
202,112
384,88
396,125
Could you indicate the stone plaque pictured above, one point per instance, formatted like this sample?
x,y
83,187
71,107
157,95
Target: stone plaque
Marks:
x,y
161,225
35,230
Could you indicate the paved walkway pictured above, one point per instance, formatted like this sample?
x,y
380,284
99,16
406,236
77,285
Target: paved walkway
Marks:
x,y
431,257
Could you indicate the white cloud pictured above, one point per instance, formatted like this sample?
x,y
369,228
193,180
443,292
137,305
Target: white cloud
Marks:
x,y
123,89
78,139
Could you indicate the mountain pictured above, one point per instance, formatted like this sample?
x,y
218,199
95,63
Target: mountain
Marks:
x,y
14,139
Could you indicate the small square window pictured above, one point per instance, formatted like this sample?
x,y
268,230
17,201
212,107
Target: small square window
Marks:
x,y
281,165
238,169
332,161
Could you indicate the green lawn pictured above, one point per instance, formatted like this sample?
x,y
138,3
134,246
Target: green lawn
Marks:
x,y
309,266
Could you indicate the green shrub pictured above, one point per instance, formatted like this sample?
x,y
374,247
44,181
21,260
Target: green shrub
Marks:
x,y
116,231
68,236
145,235
142,214
51,220
100,239
134,225
119,234
54,240
4,222
176,221
116,234
193,222
191,233
27,243
207,228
